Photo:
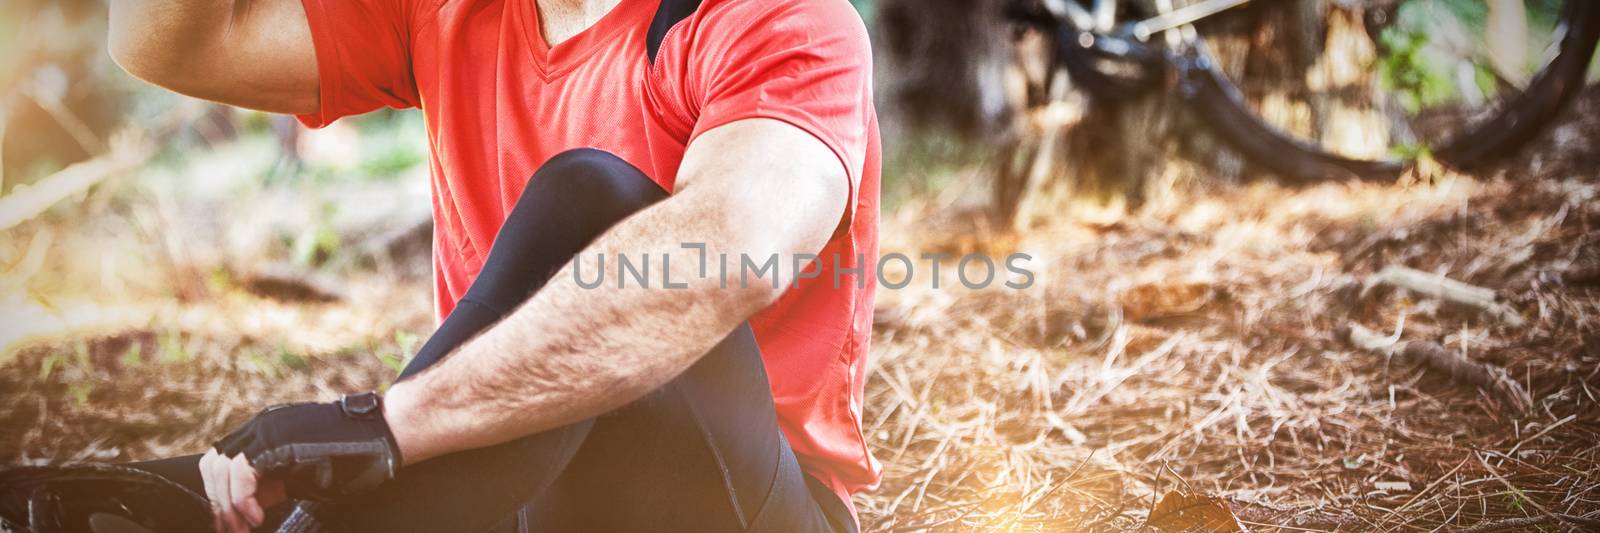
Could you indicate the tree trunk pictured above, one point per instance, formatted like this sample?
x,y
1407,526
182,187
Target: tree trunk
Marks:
x,y
944,65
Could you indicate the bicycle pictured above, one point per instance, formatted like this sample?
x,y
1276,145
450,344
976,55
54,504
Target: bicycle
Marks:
x,y
1115,49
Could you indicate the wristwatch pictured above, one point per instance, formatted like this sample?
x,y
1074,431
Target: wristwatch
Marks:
x,y
362,406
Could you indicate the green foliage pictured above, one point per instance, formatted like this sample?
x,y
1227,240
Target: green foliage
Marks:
x,y
134,356
1430,39
391,159
866,8
405,343
1408,72
81,351
392,142
173,349
291,360
262,364
255,122
1410,152
1474,13
391,360
314,245
219,280
80,392
926,162
48,365
316,242
1515,499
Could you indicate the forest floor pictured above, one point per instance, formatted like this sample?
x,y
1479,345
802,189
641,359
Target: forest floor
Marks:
x,y
1191,351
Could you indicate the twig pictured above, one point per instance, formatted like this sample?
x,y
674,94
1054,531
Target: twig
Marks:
x,y
25,203
75,127
1541,433
1495,474
1443,288
288,284
1529,521
1435,357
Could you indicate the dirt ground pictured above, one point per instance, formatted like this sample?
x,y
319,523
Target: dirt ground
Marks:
x,y
1190,348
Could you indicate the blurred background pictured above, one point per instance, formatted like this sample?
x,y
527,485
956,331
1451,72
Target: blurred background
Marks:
x,y
1414,349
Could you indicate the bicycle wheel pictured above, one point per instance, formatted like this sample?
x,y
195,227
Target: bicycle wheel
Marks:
x,y
1444,85
97,499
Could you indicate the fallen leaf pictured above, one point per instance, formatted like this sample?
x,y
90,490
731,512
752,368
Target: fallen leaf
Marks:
x,y
1179,511
1152,301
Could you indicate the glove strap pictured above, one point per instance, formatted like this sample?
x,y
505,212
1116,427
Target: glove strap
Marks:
x,y
362,406
369,406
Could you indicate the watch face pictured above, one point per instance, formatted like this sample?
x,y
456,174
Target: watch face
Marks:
x,y
362,404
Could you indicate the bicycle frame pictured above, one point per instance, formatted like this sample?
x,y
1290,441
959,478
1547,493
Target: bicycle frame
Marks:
x,y
1103,17
1117,61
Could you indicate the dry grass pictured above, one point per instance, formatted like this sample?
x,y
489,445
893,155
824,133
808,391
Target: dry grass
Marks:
x,y
1195,348
1191,347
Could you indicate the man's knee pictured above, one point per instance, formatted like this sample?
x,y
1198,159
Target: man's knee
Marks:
x,y
596,179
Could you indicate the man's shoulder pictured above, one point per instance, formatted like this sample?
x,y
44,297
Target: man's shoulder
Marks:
x,y
815,13
783,20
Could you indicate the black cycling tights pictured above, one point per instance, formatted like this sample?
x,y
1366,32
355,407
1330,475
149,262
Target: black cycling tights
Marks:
x,y
703,453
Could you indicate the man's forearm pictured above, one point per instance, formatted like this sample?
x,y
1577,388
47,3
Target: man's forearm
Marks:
x,y
572,353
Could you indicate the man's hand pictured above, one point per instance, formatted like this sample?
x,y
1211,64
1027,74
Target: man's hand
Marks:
x,y
239,498
309,451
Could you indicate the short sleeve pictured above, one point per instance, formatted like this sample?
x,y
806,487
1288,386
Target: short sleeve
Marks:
x,y
805,62
363,56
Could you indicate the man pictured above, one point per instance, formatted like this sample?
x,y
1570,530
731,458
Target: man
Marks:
x,y
559,127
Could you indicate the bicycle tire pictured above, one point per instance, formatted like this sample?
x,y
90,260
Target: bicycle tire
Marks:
x,y
1224,110
94,498
1550,91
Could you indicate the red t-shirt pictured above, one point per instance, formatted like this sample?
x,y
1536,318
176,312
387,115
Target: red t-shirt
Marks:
x,y
499,102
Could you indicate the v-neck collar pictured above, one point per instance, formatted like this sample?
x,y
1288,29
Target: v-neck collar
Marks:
x,y
554,61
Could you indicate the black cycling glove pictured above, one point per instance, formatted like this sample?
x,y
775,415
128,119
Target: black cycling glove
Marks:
x,y
319,450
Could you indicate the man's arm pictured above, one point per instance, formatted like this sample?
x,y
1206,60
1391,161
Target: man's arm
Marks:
x,y
249,53
754,187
